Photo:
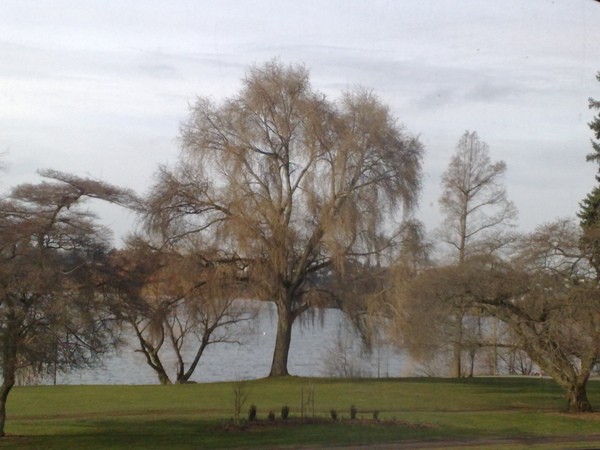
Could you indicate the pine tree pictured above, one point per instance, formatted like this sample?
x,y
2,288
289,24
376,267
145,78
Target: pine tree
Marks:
x,y
590,206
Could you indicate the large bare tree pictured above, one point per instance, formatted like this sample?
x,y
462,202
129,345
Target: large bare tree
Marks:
x,y
546,294
557,320
478,217
288,186
50,248
549,298
478,214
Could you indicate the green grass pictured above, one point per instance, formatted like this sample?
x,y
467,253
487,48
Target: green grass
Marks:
x,y
193,416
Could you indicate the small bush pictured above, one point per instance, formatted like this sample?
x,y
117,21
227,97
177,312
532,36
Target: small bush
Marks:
x,y
353,412
334,414
252,413
240,395
285,412
376,416
271,416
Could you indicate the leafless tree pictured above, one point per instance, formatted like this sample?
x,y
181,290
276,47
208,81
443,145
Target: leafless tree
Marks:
x,y
478,214
175,304
478,219
557,321
50,249
342,358
547,294
241,392
288,187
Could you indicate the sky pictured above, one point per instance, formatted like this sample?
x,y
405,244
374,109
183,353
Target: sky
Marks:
x,y
99,88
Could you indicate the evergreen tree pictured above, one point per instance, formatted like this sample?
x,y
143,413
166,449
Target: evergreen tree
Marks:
x,y
590,206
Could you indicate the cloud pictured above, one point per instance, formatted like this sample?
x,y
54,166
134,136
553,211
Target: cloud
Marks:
x,y
83,83
160,71
436,99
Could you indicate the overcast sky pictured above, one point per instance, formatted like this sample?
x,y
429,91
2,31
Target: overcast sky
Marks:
x,y
99,87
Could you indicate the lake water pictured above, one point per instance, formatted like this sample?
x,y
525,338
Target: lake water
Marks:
x,y
324,346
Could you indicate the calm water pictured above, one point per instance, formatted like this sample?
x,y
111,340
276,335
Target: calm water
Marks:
x,y
318,346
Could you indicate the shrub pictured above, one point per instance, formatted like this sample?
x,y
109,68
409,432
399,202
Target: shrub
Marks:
x,y
353,412
334,414
252,413
376,416
240,395
285,412
272,416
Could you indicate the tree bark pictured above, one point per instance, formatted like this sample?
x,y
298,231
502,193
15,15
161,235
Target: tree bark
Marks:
x,y
163,378
7,384
184,376
561,368
283,340
472,354
9,365
152,357
577,399
156,364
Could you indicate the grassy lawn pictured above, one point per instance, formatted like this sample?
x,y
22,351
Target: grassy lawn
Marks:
x,y
198,416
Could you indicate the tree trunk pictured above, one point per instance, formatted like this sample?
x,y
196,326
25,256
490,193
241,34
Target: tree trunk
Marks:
x,y
577,399
457,346
184,376
495,347
152,358
9,365
163,378
512,361
156,364
7,384
561,368
283,340
472,354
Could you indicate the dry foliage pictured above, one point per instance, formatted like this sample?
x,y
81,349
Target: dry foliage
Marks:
x,y
288,187
176,305
478,221
547,294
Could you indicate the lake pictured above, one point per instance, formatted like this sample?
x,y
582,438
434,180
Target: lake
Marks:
x,y
324,346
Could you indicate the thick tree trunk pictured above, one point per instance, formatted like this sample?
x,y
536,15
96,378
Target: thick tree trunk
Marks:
x,y
561,368
7,384
283,340
577,399
9,365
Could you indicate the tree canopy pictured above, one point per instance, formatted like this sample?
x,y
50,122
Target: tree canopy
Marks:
x,y
51,250
288,186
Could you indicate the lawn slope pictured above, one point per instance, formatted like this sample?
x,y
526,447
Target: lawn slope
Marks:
x,y
199,415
